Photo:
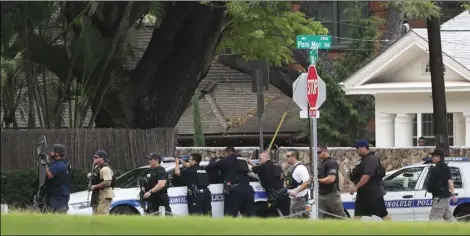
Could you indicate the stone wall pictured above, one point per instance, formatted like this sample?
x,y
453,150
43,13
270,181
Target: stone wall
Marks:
x,y
391,158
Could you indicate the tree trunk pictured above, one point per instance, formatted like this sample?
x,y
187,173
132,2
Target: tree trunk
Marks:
x,y
438,86
393,30
177,58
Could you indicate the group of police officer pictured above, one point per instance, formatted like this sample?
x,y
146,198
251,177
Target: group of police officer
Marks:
x,y
287,195
58,180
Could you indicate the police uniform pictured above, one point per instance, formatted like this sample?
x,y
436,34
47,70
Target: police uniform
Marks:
x,y
296,175
271,178
101,198
329,197
369,200
438,186
160,198
58,187
199,195
238,193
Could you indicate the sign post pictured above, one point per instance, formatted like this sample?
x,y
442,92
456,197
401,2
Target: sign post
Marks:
x,y
314,92
312,96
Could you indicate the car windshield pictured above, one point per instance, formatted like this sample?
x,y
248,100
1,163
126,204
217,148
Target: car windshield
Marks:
x,y
129,179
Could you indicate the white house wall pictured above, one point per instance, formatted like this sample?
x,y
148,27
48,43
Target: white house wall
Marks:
x,y
419,102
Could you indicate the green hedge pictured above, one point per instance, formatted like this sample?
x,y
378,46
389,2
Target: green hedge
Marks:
x,y
18,187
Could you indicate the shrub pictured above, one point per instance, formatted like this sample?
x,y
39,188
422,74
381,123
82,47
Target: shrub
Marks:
x,y
18,187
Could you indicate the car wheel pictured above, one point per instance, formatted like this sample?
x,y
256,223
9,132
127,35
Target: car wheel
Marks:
x,y
124,210
463,214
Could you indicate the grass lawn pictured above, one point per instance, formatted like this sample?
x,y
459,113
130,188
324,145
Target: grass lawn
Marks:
x,y
23,223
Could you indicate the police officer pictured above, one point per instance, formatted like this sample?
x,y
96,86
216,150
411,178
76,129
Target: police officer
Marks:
x,y
329,197
102,181
297,182
58,180
238,193
441,186
272,179
197,181
156,185
367,177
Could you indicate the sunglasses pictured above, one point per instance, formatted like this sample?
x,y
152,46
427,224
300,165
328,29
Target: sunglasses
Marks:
x,y
319,151
96,157
289,156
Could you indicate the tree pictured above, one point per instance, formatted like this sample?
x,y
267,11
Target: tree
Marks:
x,y
87,48
344,118
267,30
198,136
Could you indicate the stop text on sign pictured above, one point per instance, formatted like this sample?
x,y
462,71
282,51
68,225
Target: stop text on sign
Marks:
x,y
312,87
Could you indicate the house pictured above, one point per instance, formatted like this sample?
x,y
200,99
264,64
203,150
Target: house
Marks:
x,y
228,112
400,80
331,15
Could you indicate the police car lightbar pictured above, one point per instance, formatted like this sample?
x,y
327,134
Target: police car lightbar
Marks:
x,y
428,160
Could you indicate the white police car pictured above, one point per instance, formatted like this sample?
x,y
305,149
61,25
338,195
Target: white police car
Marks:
x,y
407,198
126,194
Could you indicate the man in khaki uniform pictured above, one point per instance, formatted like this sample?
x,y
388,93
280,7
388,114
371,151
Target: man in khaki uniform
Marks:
x,y
102,184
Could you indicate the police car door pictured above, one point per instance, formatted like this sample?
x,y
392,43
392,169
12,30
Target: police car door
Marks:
x,y
400,190
423,199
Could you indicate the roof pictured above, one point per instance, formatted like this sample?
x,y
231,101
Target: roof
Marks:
x,y
455,47
274,111
460,22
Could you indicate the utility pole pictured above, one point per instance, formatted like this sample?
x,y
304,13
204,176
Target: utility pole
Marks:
x,y
438,86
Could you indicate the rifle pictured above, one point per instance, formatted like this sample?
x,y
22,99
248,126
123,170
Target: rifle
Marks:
x,y
142,182
40,198
90,182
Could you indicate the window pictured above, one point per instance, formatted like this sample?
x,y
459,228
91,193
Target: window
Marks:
x,y
332,15
403,180
427,128
129,179
454,174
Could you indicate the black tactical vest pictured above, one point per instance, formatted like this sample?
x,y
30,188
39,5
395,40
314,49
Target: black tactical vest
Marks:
x,y
61,179
202,178
291,182
97,178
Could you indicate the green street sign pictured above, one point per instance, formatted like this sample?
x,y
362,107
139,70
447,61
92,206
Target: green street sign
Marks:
x,y
313,41
313,56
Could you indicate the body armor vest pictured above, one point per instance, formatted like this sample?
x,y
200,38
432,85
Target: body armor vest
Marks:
x,y
62,179
202,178
97,178
291,182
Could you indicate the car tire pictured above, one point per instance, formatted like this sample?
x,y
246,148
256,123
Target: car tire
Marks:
x,y
463,211
123,210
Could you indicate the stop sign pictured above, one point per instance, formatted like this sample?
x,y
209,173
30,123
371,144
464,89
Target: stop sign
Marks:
x,y
312,87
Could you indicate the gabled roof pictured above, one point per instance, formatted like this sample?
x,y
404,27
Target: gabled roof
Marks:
x,y
455,35
460,22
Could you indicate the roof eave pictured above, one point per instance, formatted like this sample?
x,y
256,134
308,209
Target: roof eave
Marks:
x,y
374,91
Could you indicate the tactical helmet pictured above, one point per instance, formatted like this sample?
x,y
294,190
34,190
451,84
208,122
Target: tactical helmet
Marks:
x,y
59,148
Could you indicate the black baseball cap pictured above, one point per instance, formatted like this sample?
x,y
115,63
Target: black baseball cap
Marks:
x,y
154,156
439,152
102,153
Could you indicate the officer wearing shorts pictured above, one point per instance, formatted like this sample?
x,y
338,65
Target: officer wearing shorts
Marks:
x,y
329,197
441,186
102,184
197,181
368,185
58,180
